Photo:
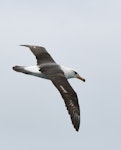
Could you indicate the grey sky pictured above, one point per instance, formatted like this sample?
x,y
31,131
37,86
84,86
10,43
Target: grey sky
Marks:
x,y
85,35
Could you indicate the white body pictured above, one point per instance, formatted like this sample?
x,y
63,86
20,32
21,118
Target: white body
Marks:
x,y
34,70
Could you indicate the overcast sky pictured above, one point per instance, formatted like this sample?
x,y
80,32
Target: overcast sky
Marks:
x,y
85,35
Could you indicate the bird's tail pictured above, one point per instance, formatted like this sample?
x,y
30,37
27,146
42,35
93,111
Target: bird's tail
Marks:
x,y
19,69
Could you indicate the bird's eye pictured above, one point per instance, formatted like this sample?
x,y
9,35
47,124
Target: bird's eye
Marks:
x,y
75,72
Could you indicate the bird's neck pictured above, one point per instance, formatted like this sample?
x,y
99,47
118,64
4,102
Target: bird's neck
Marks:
x,y
68,72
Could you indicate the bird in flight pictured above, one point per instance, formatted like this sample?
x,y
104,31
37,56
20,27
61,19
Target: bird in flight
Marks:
x,y
47,68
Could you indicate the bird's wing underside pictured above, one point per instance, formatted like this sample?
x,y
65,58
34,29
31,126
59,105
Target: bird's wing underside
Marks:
x,y
41,54
66,91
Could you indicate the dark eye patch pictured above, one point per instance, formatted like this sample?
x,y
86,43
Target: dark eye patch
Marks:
x,y
75,72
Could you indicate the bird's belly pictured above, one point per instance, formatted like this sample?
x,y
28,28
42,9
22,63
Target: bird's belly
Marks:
x,y
35,71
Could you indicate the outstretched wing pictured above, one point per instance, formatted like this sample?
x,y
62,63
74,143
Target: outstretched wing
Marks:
x,y
70,98
41,54
56,75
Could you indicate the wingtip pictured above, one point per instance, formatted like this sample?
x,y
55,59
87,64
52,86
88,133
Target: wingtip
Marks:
x,y
76,124
76,128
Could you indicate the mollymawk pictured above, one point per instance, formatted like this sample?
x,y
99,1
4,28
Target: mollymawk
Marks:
x,y
47,68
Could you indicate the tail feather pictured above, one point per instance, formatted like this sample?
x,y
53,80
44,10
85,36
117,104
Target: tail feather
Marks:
x,y
19,68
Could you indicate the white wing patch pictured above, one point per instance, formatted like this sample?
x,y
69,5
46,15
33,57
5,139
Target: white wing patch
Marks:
x,y
63,89
71,103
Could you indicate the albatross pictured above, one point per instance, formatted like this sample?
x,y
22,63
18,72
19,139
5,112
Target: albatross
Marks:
x,y
47,68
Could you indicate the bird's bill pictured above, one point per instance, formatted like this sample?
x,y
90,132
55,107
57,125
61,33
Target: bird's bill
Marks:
x,y
79,77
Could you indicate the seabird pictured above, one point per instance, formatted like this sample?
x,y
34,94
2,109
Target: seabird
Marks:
x,y
47,68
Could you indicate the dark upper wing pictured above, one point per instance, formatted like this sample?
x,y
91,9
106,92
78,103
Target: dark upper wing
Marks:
x,y
41,54
70,97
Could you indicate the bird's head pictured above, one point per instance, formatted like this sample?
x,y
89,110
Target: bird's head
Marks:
x,y
76,75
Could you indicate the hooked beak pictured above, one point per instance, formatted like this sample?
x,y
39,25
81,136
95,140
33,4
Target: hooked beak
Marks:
x,y
79,77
